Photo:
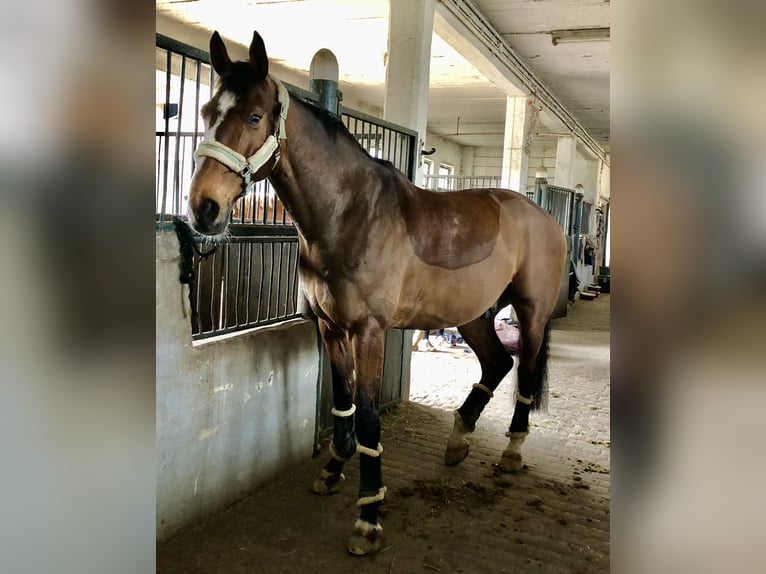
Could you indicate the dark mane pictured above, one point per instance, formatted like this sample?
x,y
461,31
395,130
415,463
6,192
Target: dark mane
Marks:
x,y
334,127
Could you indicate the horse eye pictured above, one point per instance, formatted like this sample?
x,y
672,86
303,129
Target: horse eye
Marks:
x,y
254,119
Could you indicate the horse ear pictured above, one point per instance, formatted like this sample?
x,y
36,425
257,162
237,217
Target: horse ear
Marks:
x,y
218,55
258,58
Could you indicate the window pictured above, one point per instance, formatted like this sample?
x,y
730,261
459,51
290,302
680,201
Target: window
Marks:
x,y
427,167
446,173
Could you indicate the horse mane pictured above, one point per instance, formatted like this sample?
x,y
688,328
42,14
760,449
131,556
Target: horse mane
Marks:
x,y
334,127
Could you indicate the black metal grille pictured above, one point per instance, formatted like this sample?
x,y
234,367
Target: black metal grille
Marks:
x,y
458,182
250,281
559,203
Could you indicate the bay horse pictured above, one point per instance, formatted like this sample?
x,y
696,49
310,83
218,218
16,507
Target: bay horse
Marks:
x,y
378,252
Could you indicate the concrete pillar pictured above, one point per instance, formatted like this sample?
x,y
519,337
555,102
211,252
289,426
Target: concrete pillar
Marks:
x,y
408,66
323,80
515,159
566,151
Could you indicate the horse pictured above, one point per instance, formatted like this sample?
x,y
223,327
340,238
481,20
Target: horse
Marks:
x,y
377,252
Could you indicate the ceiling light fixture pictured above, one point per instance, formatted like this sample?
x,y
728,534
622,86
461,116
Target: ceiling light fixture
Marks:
x,y
579,35
541,172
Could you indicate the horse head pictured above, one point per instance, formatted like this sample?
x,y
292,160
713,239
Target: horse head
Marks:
x,y
244,121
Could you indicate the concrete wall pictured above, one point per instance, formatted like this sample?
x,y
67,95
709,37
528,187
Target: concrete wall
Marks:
x,y
447,152
488,161
545,153
586,173
230,414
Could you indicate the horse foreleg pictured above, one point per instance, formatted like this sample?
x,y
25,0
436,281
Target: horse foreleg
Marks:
x,y
495,362
343,445
367,345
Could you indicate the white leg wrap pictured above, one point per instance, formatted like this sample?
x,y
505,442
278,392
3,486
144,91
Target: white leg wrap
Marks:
x,y
369,451
374,498
347,413
522,400
336,456
457,436
515,442
327,474
364,528
484,388
459,424
510,461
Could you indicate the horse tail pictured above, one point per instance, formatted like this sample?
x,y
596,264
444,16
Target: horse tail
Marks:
x,y
541,372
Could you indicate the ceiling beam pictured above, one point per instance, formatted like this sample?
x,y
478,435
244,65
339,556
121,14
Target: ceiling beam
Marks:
x,y
462,25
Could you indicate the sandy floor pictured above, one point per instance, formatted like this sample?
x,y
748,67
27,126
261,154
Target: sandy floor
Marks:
x,y
551,517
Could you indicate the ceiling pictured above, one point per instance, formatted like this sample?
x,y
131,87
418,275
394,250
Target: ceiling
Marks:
x,y
464,106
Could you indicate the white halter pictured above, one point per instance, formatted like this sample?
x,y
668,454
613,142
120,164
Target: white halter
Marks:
x,y
238,163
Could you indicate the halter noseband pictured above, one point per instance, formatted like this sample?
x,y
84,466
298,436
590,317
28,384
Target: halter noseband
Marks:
x,y
238,163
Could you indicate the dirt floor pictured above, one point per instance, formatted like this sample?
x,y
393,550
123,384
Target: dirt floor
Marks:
x,y
551,517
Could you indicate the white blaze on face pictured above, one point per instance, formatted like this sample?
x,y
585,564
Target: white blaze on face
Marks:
x,y
226,101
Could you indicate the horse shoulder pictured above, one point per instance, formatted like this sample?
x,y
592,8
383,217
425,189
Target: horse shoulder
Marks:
x,y
453,229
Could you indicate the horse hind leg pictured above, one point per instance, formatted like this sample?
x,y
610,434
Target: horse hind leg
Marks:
x,y
532,385
496,362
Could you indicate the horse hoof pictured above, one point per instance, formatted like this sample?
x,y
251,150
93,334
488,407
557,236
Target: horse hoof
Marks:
x,y
456,455
510,462
457,444
327,483
366,539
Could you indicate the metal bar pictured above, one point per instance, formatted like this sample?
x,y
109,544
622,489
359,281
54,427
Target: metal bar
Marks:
x,y
383,147
198,298
197,84
240,274
292,275
271,282
249,280
279,278
176,161
214,283
260,286
413,140
160,140
366,117
166,134
395,144
230,330
180,48
224,306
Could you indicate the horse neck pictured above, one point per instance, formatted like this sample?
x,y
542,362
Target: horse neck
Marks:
x,y
314,178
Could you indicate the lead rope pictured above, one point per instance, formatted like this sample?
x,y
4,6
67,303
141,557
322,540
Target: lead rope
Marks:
x,y
187,249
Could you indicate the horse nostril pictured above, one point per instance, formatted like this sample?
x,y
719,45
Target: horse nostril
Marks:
x,y
208,211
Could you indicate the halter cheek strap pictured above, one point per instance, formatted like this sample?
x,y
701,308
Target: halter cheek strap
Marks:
x,y
238,163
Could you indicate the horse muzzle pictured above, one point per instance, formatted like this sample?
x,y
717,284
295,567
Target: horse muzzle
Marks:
x,y
207,218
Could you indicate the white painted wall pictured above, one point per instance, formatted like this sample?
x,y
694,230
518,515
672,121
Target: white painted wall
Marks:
x,y
547,153
586,173
488,161
447,152
230,415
